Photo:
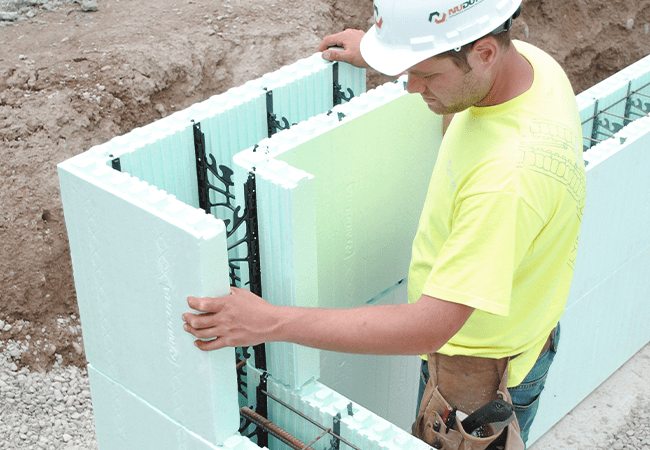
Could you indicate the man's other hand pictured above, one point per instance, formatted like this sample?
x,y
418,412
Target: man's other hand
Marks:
x,y
240,319
350,40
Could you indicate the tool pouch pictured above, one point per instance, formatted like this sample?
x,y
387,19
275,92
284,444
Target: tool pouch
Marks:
x,y
467,383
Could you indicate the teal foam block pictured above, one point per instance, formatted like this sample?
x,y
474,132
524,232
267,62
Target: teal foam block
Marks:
x,y
231,122
351,78
363,176
162,154
307,96
137,254
291,270
124,421
618,191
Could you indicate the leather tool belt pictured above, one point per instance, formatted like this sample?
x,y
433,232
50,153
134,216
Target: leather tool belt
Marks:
x,y
467,383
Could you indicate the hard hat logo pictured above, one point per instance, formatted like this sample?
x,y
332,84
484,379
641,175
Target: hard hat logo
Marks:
x,y
453,11
379,21
437,14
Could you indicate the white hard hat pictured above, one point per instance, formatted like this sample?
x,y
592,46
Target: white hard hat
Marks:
x,y
407,32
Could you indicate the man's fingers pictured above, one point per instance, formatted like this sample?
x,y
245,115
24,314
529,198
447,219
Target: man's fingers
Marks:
x,y
201,333
214,344
207,304
201,321
332,55
330,41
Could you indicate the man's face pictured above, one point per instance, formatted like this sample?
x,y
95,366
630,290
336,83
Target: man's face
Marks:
x,y
445,87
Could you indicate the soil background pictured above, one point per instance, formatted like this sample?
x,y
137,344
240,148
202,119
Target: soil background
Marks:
x,y
76,74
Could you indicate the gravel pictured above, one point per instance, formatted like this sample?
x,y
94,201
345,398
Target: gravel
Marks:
x,y
50,410
14,11
635,434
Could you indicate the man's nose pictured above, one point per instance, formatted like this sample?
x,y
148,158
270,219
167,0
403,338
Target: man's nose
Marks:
x,y
415,84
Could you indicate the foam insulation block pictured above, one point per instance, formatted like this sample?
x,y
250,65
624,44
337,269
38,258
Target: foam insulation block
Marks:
x,y
362,428
621,211
137,253
336,229
125,421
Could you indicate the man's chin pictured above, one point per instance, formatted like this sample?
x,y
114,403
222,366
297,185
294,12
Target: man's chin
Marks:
x,y
436,107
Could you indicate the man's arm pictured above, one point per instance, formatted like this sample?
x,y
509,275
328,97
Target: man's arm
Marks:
x,y
242,319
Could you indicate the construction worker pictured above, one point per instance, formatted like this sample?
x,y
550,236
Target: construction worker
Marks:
x,y
492,259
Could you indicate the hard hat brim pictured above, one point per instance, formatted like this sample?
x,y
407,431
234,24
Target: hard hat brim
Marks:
x,y
390,60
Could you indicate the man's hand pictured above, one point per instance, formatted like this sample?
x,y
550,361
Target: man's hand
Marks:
x,y
240,319
350,40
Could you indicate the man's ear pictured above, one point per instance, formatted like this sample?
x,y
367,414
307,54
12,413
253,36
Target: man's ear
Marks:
x,y
484,52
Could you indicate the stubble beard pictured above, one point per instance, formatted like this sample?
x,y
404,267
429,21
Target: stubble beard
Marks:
x,y
471,93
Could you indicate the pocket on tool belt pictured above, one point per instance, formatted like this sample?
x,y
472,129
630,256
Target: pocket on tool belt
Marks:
x,y
431,428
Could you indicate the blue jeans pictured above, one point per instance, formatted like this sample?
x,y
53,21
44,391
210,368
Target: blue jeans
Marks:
x,y
525,397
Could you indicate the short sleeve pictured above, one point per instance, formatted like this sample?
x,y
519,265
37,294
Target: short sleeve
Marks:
x,y
491,234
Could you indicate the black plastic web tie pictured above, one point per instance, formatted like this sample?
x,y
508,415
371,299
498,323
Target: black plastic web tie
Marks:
x,y
115,163
337,90
271,119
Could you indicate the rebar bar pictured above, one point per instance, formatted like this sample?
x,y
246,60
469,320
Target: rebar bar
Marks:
x,y
336,436
616,115
619,101
275,430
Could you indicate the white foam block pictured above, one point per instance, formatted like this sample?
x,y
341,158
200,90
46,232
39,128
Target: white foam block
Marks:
x,y
137,254
124,421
